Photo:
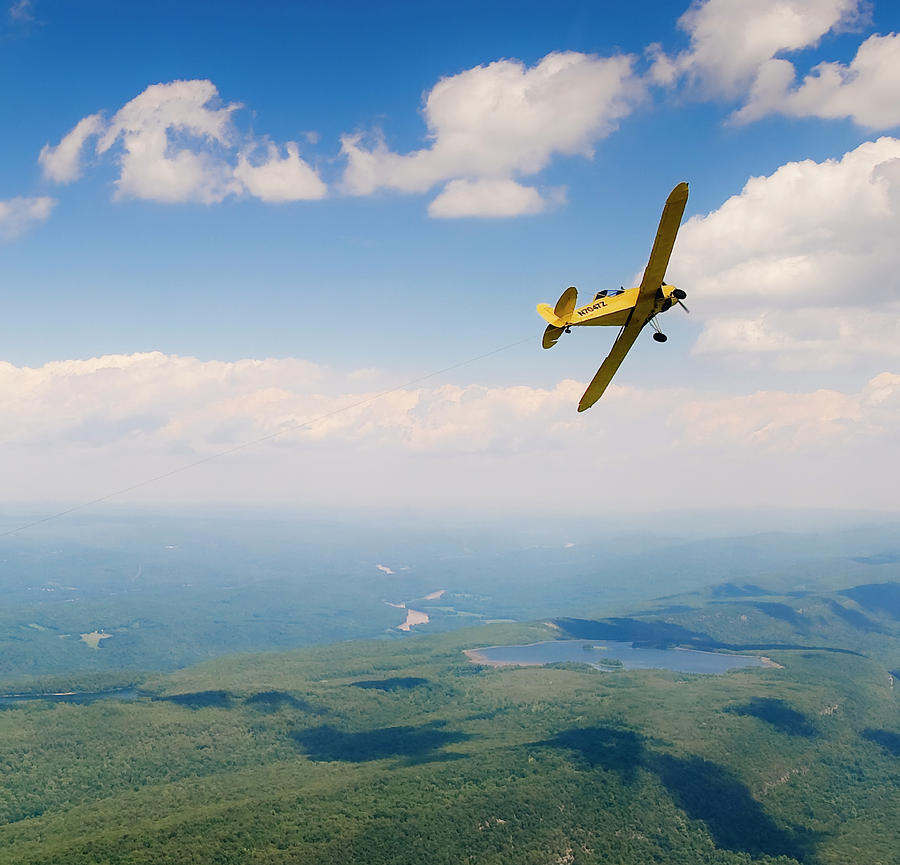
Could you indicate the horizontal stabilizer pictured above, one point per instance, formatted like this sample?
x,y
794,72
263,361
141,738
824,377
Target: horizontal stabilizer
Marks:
x,y
545,311
552,335
559,315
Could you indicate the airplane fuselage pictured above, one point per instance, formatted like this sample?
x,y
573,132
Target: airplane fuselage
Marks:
x,y
614,311
608,311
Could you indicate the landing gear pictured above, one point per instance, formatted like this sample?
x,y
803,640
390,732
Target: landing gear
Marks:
x,y
659,336
568,330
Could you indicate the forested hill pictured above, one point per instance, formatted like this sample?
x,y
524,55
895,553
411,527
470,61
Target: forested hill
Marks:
x,y
406,752
864,619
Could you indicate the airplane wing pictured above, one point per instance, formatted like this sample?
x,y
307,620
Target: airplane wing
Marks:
x,y
654,274
613,361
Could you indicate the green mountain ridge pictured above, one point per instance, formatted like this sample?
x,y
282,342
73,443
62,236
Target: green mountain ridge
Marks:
x,y
405,751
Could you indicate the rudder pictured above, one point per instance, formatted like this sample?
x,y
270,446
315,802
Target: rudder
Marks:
x,y
565,306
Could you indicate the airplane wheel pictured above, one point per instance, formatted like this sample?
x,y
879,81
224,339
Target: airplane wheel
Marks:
x,y
660,337
680,294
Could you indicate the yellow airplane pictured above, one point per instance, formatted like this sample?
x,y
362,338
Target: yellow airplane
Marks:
x,y
630,309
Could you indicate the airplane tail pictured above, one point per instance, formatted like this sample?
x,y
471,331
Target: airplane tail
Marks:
x,y
557,317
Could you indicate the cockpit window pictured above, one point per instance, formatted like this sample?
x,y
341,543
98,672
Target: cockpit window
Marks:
x,y
609,292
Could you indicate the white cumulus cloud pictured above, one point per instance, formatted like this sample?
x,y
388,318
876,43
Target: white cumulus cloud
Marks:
x,y
280,179
62,163
177,142
736,52
732,40
170,136
18,214
486,198
864,91
498,122
802,265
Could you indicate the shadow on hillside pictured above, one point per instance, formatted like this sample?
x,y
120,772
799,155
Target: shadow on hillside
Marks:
x,y
854,618
663,635
736,821
398,683
783,613
417,744
704,790
880,559
880,598
888,740
653,634
777,713
731,590
200,699
272,701
610,748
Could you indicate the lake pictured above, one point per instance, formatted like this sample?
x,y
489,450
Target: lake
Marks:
x,y
82,697
594,651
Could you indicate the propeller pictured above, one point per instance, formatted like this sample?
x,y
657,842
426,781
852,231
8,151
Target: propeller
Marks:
x,y
679,296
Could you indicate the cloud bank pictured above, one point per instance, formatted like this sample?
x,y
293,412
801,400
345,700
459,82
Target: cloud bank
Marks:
x,y
91,426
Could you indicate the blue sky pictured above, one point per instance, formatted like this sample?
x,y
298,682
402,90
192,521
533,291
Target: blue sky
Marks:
x,y
388,248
